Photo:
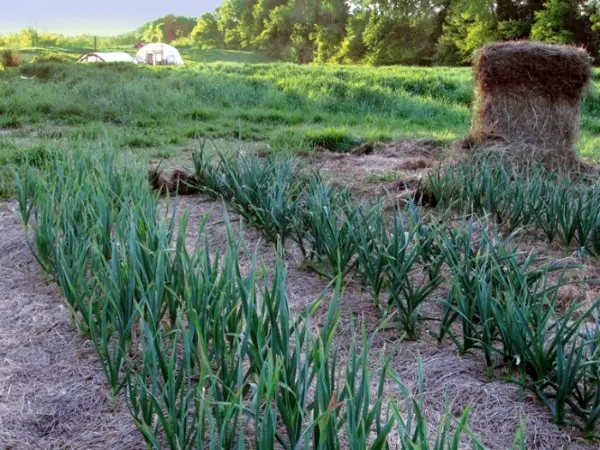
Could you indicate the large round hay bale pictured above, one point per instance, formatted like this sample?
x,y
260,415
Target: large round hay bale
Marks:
x,y
528,98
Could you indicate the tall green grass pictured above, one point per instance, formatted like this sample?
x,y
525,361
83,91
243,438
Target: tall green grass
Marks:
x,y
290,106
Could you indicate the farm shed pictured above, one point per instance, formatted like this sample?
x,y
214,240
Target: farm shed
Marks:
x,y
106,57
159,54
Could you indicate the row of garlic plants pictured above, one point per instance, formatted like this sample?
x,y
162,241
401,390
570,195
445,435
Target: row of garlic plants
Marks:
x,y
499,302
564,208
206,353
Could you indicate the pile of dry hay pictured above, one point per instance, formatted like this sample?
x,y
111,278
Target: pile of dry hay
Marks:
x,y
528,96
177,180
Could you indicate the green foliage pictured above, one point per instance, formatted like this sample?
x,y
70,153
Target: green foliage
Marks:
x,y
53,57
549,23
206,32
266,194
398,34
45,71
353,48
334,108
165,29
383,32
329,31
499,302
468,26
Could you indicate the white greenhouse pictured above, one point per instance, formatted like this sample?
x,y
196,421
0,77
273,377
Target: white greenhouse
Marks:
x,y
159,54
106,57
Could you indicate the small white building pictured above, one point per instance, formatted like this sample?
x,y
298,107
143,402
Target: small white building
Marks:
x,y
106,57
159,54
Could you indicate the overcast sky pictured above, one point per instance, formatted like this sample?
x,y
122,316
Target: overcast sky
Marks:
x,y
103,17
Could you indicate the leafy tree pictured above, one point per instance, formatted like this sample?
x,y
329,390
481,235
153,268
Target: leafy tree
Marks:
x,y
237,23
549,23
302,46
28,37
276,20
468,26
305,16
152,33
206,33
330,29
400,32
176,27
353,48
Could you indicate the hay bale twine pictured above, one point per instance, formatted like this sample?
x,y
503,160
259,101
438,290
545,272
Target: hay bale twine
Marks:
x,y
528,97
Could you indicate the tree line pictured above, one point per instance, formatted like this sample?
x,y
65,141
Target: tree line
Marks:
x,y
377,32
170,29
383,32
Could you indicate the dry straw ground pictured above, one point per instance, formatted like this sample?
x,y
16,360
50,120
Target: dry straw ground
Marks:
x,y
53,393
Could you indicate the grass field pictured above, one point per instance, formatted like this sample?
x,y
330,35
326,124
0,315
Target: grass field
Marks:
x,y
291,108
301,299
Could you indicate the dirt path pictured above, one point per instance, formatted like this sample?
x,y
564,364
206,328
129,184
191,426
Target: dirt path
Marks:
x,y
52,389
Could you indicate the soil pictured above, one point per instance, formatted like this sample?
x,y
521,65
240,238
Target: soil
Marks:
x,y
400,165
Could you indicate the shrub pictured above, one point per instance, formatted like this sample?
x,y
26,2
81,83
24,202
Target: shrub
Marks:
x,y
42,70
11,58
53,57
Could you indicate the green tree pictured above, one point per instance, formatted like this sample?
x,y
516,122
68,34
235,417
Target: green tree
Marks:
x,y
206,33
276,20
176,27
468,26
330,29
302,46
153,33
400,32
550,23
353,48
29,37
304,15
237,23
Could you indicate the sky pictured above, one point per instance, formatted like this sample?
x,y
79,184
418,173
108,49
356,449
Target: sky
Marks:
x,y
101,17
